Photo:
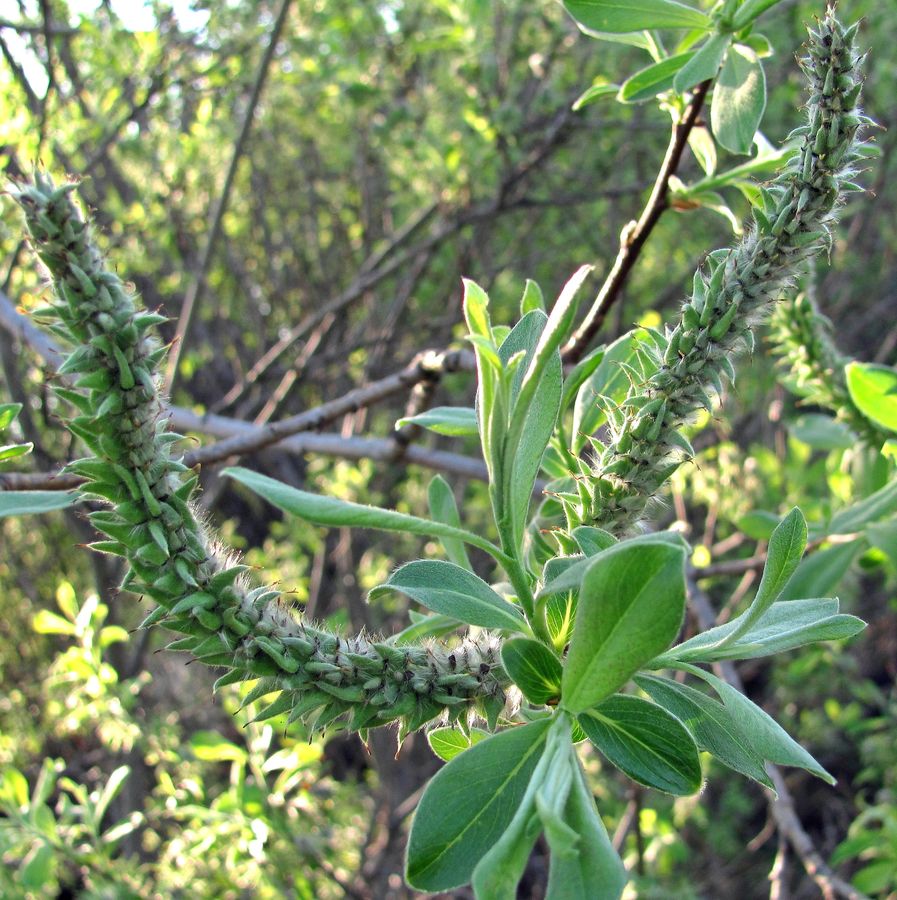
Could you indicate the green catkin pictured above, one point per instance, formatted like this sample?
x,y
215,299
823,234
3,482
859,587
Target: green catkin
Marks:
x,y
739,289
319,677
814,368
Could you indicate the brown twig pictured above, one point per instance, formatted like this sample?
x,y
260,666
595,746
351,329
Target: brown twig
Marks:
x,y
634,236
197,286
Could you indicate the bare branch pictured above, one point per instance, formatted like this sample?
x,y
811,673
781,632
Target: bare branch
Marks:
x,y
197,286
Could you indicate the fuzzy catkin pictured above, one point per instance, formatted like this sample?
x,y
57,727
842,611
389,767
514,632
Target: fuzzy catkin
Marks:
x,y
737,290
813,365
319,676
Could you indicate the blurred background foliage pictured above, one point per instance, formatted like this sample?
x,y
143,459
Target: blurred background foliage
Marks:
x,y
395,146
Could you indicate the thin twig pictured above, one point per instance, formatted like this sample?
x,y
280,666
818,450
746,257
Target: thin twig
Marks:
x,y
197,286
634,237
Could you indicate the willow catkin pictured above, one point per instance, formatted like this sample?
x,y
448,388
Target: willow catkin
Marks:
x,y
201,592
737,288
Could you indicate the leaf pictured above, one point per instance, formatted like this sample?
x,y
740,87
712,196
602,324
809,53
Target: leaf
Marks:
x,y
714,728
784,626
23,503
534,669
37,867
425,626
532,297
870,509
336,513
46,622
767,738
210,746
704,148
749,10
8,413
631,607
447,743
13,451
468,805
785,551
820,573
593,869
873,390
443,508
453,421
646,742
654,79
534,415
110,791
595,92
577,377
821,432
452,591
703,64
620,16
592,540
739,100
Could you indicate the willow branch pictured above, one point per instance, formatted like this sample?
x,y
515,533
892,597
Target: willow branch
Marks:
x,y
633,239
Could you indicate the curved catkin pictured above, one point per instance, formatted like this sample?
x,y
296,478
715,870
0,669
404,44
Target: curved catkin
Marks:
x,y
734,291
317,676
814,367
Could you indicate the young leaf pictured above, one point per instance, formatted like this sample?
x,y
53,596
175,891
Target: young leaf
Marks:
x,y
534,669
714,727
593,868
786,549
468,806
448,742
820,573
532,298
577,377
23,503
534,415
592,540
704,64
739,99
8,413
631,606
594,93
620,16
749,10
454,421
452,591
425,626
767,738
873,390
654,79
441,500
336,513
646,742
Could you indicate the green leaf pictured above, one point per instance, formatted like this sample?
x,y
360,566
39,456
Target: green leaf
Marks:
x,y
110,791
468,806
654,79
873,390
452,591
646,742
703,64
8,413
750,10
443,508
822,432
767,738
820,573
37,867
592,540
578,376
786,549
620,16
533,417
453,421
23,503
336,513
739,100
631,606
210,746
593,869
425,626
758,524
46,622
447,743
497,874
532,297
714,728
534,669
13,451
784,626
870,509
595,92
